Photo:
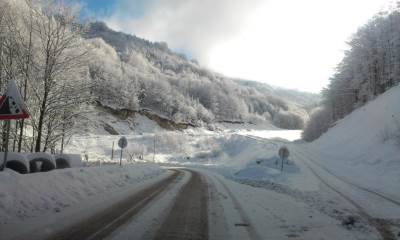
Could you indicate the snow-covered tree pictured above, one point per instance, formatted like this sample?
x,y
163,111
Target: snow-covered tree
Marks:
x,y
369,68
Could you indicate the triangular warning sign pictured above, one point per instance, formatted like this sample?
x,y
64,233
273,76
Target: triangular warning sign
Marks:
x,y
11,104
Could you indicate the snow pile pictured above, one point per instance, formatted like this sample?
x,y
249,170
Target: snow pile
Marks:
x,y
68,160
363,146
269,168
24,197
17,161
244,157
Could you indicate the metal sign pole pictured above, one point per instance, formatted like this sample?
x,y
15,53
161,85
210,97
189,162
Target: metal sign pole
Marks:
x,y
6,145
120,159
112,152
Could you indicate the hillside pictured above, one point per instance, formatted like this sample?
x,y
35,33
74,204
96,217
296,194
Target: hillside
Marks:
x,y
132,73
365,145
305,99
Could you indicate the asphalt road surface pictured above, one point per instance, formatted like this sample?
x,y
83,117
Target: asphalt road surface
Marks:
x,y
186,219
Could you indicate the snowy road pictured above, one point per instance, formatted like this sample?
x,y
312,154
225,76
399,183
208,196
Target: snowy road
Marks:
x,y
105,222
184,203
198,204
188,218
178,203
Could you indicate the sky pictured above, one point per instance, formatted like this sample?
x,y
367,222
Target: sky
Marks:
x,y
287,43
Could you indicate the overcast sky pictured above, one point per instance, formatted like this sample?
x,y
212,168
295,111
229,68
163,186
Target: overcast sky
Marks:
x,y
288,43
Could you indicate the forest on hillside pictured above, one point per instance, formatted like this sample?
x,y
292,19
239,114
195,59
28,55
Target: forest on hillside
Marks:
x,y
370,67
152,76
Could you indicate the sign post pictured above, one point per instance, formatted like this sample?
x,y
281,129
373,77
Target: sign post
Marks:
x,y
6,145
283,154
122,143
11,107
112,152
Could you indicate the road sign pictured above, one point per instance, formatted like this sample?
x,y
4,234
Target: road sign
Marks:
x,y
283,154
122,142
11,103
11,107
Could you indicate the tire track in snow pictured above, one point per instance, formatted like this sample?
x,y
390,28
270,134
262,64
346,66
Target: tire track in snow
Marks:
x,y
188,218
379,224
381,195
253,234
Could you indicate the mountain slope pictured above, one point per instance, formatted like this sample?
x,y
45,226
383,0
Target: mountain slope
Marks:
x,y
133,73
304,99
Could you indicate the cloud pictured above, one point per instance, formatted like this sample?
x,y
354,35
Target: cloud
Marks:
x,y
189,25
288,43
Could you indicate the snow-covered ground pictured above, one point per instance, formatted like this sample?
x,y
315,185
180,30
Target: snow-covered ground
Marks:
x,y
362,148
277,215
353,169
351,172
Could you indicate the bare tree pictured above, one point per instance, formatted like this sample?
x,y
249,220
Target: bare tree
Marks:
x,y
60,56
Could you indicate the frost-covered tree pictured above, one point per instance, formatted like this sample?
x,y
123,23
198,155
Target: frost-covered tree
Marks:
x,y
369,68
60,57
42,49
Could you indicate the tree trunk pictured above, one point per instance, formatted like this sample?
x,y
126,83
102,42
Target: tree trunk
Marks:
x,y
27,69
41,122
